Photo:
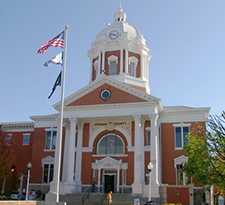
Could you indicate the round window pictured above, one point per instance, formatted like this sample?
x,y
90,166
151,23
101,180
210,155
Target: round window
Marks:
x,y
105,94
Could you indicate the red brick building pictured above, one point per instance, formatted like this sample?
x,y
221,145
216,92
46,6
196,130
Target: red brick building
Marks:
x,y
113,128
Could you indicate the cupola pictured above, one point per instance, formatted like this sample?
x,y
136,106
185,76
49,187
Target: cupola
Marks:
x,y
119,52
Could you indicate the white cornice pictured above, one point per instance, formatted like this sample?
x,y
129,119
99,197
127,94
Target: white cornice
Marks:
x,y
112,106
18,126
44,117
184,114
184,110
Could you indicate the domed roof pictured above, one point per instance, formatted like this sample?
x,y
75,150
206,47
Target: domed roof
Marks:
x,y
120,30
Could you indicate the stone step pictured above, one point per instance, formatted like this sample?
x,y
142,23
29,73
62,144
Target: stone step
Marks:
x,y
95,199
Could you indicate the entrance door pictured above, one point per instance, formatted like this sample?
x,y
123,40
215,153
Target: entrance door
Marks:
x,y
109,181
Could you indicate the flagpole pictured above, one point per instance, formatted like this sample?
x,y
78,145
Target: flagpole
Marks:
x,y
58,151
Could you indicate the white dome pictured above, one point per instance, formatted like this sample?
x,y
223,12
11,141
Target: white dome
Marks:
x,y
125,31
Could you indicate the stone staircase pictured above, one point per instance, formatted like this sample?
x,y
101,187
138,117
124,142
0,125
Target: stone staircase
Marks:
x,y
95,199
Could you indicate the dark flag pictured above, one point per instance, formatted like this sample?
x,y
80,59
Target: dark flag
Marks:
x,y
57,82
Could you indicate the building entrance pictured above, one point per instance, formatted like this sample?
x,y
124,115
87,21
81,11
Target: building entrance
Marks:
x,y
109,180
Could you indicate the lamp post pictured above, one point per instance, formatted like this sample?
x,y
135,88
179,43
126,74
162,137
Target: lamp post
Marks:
x,y
150,166
28,179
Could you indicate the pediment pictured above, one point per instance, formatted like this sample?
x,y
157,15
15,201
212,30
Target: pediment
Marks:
x,y
120,94
180,160
108,161
47,160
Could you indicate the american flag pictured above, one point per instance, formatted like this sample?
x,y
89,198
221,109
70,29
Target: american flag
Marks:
x,y
58,41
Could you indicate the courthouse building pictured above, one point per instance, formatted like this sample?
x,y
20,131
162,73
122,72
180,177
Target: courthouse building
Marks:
x,y
113,128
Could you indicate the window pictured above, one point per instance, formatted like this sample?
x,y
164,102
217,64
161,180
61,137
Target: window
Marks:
x,y
96,65
132,69
132,66
181,177
110,144
9,139
181,132
148,136
26,139
112,68
48,171
113,61
50,140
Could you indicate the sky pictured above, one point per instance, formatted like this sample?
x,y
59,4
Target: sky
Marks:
x,y
186,40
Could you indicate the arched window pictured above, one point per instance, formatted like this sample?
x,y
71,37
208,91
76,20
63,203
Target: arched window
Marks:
x,y
112,61
133,61
110,144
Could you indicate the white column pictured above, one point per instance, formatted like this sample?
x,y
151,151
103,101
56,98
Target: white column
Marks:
x,y
71,150
154,148
118,181
138,163
65,154
78,181
126,61
142,151
99,69
121,61
99,178
103,62
142,66
91,70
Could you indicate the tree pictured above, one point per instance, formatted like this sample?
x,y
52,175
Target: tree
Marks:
x,y
205,149
6,154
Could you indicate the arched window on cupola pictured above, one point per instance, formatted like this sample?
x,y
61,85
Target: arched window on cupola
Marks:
x,y
113,61
110,144
133,61
96,66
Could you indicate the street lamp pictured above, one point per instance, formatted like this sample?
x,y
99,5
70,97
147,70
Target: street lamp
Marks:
x,y
150,166
28,179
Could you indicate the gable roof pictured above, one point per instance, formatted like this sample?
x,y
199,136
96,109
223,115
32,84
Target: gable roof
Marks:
x,y
82,98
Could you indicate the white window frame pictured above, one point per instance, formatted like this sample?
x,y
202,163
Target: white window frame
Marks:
x,y
181,125
47,161
112,58
25,143
133,60
49,130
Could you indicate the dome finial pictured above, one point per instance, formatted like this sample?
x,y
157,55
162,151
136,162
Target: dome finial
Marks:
x,y
120,15
120,7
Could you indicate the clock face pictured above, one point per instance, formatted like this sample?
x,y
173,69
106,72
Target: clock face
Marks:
x,y
114,34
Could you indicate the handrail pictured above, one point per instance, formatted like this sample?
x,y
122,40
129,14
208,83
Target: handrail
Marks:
x,y
105,194
85,196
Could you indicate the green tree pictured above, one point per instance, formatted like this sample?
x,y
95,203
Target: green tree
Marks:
x,y
205,149
6,154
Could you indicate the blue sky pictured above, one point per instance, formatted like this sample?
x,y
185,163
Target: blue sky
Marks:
x,y
186,41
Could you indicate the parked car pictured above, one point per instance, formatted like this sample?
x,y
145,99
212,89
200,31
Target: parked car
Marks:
x,y
32,195
15,195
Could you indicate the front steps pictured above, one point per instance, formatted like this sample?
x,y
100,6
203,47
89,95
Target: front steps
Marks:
x,y
95,199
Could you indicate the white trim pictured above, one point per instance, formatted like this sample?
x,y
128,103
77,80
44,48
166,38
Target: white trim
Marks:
x,y
110,155
182,125
112,58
